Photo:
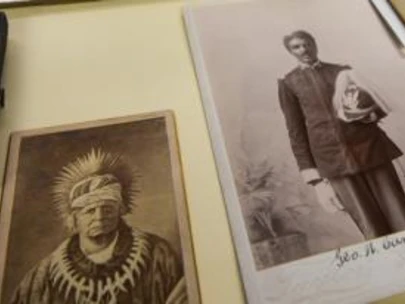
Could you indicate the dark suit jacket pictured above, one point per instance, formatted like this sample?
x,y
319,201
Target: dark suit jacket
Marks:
x,y
318,138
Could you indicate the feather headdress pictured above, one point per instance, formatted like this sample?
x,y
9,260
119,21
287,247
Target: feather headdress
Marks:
x,y
94,163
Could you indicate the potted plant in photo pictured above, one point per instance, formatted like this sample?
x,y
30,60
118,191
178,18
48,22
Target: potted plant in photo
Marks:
x,y
273,231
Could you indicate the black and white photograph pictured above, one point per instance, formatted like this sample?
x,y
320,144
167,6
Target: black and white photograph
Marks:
x,y
304,106
95,213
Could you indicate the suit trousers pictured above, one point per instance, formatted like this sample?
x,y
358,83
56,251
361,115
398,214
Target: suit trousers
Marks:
x,y
374,199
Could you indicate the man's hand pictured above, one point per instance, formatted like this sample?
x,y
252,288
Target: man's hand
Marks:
x,y
327,197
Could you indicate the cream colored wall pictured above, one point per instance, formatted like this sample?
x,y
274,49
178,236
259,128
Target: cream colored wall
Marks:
x,y
73,63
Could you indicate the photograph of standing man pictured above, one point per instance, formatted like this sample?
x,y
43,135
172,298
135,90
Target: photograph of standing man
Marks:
x,y
332,118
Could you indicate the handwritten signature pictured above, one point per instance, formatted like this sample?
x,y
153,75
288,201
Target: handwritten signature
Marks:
x,y
345,256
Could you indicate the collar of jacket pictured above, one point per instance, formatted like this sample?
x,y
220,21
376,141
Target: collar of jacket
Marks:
x,y
304,66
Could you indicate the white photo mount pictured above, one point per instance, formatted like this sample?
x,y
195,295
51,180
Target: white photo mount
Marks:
x,y
359,273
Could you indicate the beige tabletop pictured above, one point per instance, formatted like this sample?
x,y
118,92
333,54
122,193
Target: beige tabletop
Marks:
x,y
80,62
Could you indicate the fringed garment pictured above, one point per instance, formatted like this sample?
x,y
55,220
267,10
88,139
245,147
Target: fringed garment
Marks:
x,y
143,269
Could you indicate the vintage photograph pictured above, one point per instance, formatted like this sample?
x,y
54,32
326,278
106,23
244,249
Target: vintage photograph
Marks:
x,y
306,117
95,213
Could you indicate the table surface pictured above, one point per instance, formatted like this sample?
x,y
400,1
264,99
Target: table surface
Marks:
x,y
79,62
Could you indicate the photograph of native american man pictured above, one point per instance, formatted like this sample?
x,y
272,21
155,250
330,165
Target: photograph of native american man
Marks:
x,y
105,260
90,214
332,115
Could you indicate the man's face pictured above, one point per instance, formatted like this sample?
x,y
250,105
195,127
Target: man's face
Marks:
x,y
97,219
304,50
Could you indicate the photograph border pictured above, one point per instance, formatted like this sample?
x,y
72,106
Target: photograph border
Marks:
x,y
226,178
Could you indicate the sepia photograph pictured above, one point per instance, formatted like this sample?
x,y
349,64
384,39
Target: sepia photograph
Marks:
x,y
304,104
95,213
